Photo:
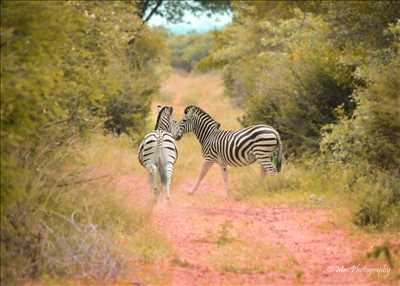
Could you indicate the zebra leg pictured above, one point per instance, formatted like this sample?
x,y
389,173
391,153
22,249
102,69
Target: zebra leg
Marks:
x,y
263,171
206,166
167,186
170,171
225,177
152,178
267,167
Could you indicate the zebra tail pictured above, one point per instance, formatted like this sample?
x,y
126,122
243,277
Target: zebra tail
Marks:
x,y
162,167
280,156
162,161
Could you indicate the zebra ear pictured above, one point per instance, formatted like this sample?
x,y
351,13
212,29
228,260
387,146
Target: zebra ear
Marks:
x,y
171,109
159,107
218,125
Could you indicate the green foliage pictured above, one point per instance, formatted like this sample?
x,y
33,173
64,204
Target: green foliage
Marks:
x,y
67,68
302,67
373,133
174,11
188,51
377,209
360,23
379,206
286,74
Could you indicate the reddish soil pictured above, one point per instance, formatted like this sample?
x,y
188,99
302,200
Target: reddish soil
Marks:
x,y
293,246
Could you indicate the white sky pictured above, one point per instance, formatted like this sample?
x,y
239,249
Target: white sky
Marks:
x,y
192,23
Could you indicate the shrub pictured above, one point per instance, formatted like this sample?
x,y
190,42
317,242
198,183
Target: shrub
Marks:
x,y
372,198
287,73
64,69
372,134
187,51
60,227
379,206
69,220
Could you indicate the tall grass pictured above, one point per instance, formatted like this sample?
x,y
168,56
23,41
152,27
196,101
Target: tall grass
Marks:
x,y
372,200
73,220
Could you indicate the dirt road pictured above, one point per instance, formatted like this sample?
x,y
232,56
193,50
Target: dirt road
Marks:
x,y
220,241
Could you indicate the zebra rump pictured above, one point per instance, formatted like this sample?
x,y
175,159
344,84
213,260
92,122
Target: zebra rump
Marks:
x,y
157,151
154,153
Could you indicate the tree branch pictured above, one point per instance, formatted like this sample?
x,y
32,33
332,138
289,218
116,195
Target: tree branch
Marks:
x,y
159,2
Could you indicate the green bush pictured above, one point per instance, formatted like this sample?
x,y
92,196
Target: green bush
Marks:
x,y
187,51
65,66
379,206
300,108
372,134
285,72
70,221
64,69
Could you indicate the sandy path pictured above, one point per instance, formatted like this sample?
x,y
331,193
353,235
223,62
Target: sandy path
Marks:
x,y
220,241
286,243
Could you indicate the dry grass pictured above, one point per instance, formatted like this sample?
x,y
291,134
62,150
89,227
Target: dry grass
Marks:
x,y
245,257
81,224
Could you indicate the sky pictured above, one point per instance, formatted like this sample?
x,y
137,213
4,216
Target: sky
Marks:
x,y
192,23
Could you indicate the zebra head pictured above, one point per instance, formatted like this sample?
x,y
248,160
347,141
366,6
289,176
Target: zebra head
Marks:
x,y
194,118
185,124
164,119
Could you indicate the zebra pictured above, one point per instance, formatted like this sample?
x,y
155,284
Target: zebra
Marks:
x,y
158,152
236,148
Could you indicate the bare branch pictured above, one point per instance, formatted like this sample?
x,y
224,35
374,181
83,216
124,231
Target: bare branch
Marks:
x,y
159,2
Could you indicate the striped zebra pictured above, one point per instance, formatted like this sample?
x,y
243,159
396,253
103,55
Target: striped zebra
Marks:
x,y
241,147
158,152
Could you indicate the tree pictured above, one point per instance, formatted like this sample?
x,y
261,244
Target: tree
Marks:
x,y
174,10
292,63
62,65
187,51
372,134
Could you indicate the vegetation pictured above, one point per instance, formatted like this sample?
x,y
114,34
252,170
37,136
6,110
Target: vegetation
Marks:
x,y
73,222
326,75
188,51
68,69
58,82
77,82
174,10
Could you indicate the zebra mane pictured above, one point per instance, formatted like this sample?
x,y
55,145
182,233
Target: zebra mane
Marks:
x,y
160,114
198,110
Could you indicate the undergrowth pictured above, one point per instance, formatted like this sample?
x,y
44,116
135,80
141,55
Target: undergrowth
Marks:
x,y
371,196
71,220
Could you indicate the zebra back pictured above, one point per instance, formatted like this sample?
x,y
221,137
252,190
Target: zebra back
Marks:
x,y
233,147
